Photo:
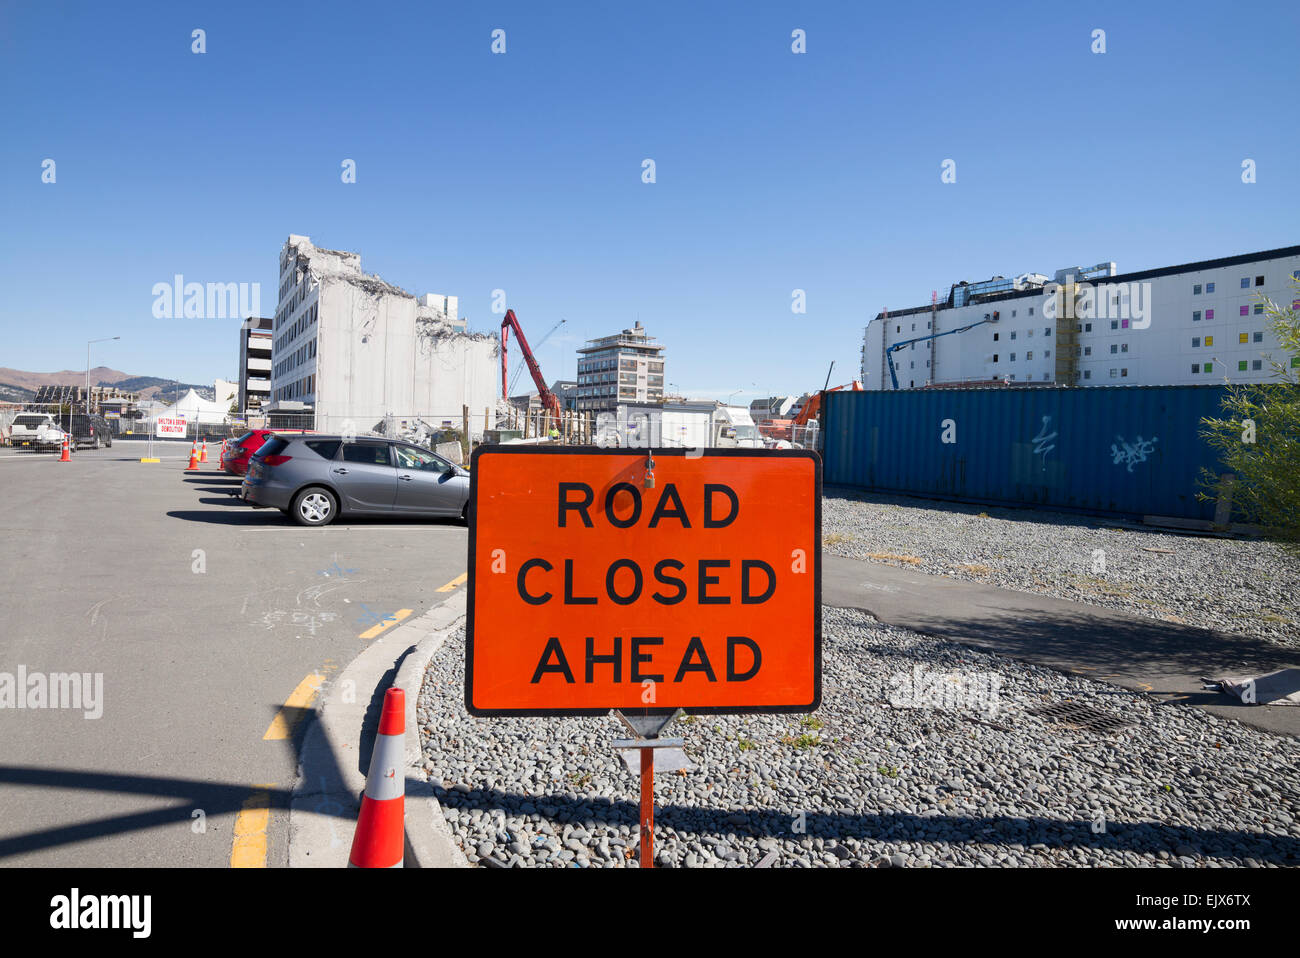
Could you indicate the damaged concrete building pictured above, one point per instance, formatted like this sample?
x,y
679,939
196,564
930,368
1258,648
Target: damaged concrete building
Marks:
x,y
351,352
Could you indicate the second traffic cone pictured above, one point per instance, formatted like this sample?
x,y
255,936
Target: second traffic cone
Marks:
x,y
380,836
65,457
194,458
203,455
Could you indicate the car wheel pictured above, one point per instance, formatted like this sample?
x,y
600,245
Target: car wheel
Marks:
x,y
314,506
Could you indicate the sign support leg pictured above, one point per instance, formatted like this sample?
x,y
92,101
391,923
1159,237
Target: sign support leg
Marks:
x,y
647,808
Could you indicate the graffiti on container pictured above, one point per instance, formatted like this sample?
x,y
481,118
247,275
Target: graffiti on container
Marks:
x,y
1043,442
1132,453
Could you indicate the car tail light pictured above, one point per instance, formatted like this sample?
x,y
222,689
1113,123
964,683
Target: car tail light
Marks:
x,y
275,460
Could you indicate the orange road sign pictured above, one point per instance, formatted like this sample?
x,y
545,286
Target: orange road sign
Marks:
x,y
594,586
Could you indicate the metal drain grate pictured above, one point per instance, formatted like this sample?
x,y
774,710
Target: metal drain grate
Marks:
x,y
1083,716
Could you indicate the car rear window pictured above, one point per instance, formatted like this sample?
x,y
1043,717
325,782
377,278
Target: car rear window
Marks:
x,y
240,440
325,448
29,420
271,447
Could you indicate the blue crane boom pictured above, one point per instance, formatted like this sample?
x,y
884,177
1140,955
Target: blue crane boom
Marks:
x,y
889,351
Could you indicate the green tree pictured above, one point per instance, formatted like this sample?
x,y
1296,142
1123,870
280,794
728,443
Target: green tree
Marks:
x,y
1258,437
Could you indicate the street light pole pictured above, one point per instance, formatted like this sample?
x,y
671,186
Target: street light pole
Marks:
x,y
104,340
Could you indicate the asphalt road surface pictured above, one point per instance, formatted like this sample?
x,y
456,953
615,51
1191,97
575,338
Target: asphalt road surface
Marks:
x,y
203,616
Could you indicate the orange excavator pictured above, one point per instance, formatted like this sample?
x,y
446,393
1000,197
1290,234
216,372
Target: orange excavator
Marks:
x,y
813,407
549,401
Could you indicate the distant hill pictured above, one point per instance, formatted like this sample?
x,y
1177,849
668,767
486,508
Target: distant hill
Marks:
x,y
17,385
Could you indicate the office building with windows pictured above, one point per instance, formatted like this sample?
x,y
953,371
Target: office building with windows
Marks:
x,y
628,367
1196,323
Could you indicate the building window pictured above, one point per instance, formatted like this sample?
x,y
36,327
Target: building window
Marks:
x,y
1123,347
1125,324
1259,280
1209,367
1029,355
1047,354
1114,348
1209,314
1123,372
1031,309
1012,377
995,357
995,337
1196,316
1209,340
1257,364
1245,310
1013,334
1030,333
1114,324
1259,309
1196,341
1013,357
1087,327
1295,361
1078,327
1114,373
1087,350
1258,337
1241,365
1245,282
1209,288
1196,289
1243,337
1013,314
1047,330
1087,374
1196,367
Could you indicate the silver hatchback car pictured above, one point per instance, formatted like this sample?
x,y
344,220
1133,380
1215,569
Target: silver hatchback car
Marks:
x,y
314,478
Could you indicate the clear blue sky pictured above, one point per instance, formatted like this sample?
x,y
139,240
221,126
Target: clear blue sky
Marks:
x,y
522,171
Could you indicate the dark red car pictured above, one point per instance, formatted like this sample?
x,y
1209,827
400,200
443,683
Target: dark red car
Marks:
x,y
235,456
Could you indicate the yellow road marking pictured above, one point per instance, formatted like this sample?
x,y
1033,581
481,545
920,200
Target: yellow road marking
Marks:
x,y
249,847
398,616
454,582
290,714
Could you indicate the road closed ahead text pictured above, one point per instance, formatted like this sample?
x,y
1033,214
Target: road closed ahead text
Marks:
x,y
595,589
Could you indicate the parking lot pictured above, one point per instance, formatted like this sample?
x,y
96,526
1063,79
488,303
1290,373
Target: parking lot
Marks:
x,y
207,620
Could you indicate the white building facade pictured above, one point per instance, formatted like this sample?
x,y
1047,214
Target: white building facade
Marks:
x,y
349,349
1179,325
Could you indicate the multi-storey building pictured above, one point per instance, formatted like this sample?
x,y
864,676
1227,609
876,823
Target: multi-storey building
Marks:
x,y
349,349
628,367
1176,325
254,364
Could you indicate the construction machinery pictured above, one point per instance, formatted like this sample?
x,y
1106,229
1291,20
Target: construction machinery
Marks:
x,y
519,367
889,351
813,407
549,401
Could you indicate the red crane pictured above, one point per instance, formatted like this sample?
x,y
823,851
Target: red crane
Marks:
x,y
549,402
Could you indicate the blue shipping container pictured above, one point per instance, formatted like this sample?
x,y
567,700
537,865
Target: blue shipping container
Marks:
x,y
1133,450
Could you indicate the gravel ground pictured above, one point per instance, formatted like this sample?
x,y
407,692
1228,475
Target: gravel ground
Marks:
x,y
884,774
1236,586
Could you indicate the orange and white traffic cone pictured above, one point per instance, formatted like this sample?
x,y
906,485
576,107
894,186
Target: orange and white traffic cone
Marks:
x,y
65,457
380,836
194,458
203,455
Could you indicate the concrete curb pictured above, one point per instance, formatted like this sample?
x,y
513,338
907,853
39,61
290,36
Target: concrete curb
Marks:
x,y
326,797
